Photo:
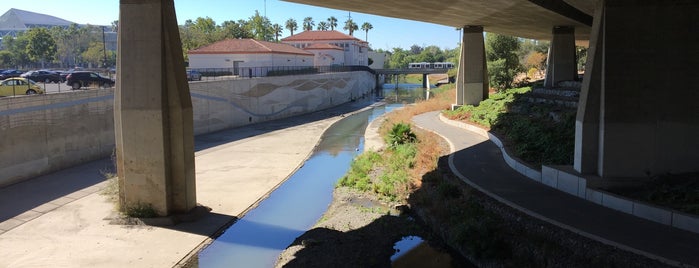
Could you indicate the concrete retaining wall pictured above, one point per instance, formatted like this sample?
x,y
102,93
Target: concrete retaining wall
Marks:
x,y
44,133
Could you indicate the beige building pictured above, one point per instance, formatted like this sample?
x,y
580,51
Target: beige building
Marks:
x,y
245,56
327,45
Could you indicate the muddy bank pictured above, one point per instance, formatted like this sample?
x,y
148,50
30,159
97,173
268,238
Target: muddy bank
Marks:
x,y
358,230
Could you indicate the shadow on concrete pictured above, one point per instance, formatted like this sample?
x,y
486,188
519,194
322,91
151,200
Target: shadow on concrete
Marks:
x,y
32,194
22,197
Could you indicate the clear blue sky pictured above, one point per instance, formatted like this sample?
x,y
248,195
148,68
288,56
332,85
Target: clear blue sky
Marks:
x,y
387,33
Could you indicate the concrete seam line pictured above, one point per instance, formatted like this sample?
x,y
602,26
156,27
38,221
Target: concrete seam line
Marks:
x,y
452,166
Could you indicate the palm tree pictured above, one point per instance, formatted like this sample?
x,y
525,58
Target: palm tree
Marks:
x,y
366,27
323,26
277,30
332,21
308,24
350,26
291,25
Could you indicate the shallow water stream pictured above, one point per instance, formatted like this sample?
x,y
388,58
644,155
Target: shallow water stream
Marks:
x,y
257,239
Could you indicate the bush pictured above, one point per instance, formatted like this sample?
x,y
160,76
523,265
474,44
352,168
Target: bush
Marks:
x,y
400,134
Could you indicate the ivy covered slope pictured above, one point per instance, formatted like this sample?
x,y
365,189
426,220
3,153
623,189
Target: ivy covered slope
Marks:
x,y
537,133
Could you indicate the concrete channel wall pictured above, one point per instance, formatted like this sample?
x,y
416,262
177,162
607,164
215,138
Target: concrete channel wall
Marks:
x,y
45,133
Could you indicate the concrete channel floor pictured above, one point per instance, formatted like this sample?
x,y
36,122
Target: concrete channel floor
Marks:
x,y
63,220
477,160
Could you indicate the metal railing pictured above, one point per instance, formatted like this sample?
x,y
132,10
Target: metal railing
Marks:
x,y
266,71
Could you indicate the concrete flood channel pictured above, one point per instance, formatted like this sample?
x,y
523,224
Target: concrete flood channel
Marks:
x,y
257,239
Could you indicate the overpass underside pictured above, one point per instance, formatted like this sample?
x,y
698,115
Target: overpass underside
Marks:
x,y
637,115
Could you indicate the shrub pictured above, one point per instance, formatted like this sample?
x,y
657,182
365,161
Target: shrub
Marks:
x,y
400,134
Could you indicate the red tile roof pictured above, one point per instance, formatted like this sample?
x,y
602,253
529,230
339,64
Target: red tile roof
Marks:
x,y
319,35
248,46
323,46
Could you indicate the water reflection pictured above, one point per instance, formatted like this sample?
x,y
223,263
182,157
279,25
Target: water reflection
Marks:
x,y
412,251
259,237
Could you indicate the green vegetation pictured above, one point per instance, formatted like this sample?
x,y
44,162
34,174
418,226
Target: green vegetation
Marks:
x,y
502,58
679,192
140,210
531,132
400,134
388,173
489,110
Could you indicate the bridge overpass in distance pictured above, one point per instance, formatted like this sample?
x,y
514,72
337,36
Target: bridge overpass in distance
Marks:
x,y
424,72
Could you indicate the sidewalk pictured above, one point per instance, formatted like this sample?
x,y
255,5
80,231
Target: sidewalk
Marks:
x,y
62,220
479,162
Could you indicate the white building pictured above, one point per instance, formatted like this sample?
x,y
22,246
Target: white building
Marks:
x,y
249,56
327,44
378,60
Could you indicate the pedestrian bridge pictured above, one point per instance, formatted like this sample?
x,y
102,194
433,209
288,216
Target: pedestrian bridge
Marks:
x,y
412,71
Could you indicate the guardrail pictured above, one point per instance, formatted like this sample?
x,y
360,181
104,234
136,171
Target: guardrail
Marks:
x,y
251,72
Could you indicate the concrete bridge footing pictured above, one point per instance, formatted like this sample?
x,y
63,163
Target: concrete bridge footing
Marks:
x,y
153,111
472,76
561,63
638,115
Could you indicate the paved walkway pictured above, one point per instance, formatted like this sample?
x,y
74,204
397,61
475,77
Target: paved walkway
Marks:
x,y
62,220
479,162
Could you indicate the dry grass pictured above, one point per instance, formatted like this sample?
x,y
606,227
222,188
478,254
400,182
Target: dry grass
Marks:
x,y
429,146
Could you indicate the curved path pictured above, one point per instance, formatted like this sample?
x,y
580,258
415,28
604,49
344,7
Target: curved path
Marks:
x,y
480,163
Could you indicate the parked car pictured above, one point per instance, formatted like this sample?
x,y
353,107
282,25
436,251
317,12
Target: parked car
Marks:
x,y
9,74
19,86
42,76
64,73
84,79
193,75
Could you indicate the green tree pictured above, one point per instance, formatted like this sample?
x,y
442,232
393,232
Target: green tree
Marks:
x,y
277,29
350,26
332,22
261,27
366,27
6,59
205,25
322,26
503,61
41,46
308,23
431,54
415,49
18,49
291,25
115,26
94,55
235,30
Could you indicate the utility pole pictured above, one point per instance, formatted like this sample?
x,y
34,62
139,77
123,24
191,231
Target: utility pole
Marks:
x,y
104,49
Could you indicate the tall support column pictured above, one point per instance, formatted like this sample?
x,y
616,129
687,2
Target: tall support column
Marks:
x,y
153,111
638,115
561,63
472,76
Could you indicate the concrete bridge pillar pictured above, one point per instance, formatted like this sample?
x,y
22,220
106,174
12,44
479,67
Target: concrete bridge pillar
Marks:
x,y
472,76
153,111
638,114
561,63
